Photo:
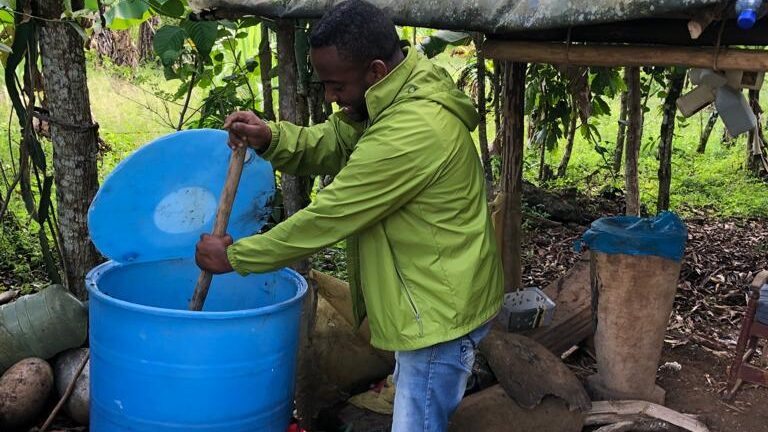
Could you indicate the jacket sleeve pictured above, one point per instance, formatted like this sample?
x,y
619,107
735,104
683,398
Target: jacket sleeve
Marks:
x,y
319,149
388,168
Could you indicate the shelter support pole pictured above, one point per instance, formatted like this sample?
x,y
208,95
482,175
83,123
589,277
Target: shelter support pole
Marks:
x,y
295,197
634,137
513,77
627,55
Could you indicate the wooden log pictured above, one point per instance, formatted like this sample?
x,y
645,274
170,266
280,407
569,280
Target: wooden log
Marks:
x,y
640,426
492,410
627,55
633,408
572,322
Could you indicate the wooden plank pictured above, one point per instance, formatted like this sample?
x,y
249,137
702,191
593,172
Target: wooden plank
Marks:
x,y
627,55
572,322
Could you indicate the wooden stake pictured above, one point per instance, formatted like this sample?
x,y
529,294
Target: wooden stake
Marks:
x,y
222,220
627,55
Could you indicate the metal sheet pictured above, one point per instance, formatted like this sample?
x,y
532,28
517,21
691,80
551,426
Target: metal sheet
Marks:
x,y
490,16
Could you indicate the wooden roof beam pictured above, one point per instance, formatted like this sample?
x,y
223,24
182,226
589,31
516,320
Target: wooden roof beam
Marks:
x,y
627,55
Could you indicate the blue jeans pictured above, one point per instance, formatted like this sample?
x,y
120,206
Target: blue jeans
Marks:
x,y
430,382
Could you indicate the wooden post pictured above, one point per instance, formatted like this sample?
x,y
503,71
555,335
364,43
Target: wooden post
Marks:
x,y
634,134
482,132
296,197
265,67
512,172
675,87
621,133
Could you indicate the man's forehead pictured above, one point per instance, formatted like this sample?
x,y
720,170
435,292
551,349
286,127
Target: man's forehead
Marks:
x,y
328,60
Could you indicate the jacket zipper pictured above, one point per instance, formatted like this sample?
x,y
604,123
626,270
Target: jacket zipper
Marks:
x,y
410,300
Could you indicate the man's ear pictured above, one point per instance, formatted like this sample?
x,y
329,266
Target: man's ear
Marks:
x,y
377,71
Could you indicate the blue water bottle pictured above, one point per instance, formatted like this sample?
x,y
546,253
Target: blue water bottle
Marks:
x,y
746,13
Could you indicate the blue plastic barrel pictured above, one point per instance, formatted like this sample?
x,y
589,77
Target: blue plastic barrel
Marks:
x,y
156,366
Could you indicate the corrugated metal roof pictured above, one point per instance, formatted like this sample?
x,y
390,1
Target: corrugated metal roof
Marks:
x,y
490,16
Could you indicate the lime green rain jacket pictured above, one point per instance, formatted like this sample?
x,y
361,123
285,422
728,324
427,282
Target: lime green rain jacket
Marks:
x,y
408,195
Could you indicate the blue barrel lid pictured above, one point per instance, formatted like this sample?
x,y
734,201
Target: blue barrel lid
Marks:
x,y
158,201
663,236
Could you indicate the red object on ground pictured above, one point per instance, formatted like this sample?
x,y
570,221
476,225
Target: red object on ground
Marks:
x,y
293,427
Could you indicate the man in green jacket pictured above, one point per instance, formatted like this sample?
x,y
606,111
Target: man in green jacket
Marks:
x,y
408,195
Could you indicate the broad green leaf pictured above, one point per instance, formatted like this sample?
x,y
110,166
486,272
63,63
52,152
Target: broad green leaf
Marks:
x,y
125,14
169,43
6,17
79,30
437,42
170,8
203,35
92,5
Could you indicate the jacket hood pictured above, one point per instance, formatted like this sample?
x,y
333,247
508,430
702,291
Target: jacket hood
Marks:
x,y
418,78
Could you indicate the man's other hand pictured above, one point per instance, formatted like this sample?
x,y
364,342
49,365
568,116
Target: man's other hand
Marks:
x,y
247,129
211,253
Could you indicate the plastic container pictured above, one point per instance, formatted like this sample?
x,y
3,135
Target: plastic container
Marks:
x,y
156,366
526,309
41,325
746,13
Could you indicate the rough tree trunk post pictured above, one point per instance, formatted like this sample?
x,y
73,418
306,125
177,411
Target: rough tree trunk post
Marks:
x,y
563,167
265,67
711,121
621,134
634,134
675,87
117,45
146,36
757,163
296,197
482,132
74,136
512,173
497,95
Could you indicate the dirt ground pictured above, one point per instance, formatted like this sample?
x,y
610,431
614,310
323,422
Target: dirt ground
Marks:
x,y
698,388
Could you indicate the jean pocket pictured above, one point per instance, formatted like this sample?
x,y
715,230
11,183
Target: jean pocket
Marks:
x,y
467,355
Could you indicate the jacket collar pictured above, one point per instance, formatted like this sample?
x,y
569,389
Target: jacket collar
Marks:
x,y
382,94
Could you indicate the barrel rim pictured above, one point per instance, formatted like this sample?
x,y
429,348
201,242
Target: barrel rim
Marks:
x,y
95,273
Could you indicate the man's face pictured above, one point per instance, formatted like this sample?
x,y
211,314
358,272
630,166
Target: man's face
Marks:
x,y
345,81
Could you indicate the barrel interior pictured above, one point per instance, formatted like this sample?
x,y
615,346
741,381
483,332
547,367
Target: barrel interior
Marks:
x,y
169,284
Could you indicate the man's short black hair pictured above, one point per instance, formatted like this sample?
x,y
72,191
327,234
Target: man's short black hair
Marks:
x,y
360,31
